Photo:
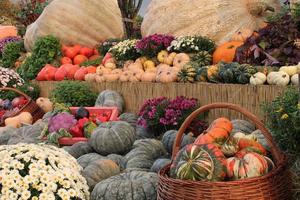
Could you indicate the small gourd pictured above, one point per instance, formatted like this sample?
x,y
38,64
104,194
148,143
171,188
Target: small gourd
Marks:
x,y
100,78
278,78
13,122
90,77
45,104
125,76
110,65
169,60
295,79
180,60
148,64
162,55
136,76
25,118
148,77
290,70
258,79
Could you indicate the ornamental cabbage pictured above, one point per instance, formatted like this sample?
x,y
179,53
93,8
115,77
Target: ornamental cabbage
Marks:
x,y
61,121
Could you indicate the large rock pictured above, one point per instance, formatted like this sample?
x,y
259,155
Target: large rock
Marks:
x,y
217,19
85,22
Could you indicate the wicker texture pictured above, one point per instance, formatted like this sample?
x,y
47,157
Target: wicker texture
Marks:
x,y
31,107
247,96
275,185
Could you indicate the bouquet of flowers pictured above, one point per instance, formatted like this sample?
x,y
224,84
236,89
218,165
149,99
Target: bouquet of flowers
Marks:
x,y
162,114
125,50
192,44
7,40
39,171
107,44
9,78
150,46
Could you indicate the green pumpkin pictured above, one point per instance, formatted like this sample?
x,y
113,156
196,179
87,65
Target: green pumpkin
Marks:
x,y
98,171
159,164
79,149
135,185
227,73
201,74
243,126
199,162
130,118
187,74
115,137
86,159
120,160
169,139
5,134
202,58
144,153
110,98
244,72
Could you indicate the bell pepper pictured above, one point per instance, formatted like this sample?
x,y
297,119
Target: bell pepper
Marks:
x,y
81,122
76,131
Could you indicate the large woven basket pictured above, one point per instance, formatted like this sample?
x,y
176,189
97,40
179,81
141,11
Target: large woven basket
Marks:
x,y
275,185
31,107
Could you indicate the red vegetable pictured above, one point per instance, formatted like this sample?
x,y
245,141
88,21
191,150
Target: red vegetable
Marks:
x,y
81,122
76,131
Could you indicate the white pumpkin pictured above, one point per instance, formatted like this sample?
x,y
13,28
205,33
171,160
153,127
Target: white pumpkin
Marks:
x,y
216,19
290,70
84,22
258,79
295,79
278,78
239,135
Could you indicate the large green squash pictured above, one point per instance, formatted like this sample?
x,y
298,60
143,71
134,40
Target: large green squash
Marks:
x,y
135,185
27,134
5,134
199,162
79,149
130,118
110,98
143,133
242,126
86,159
169,139
99,170
144,153
118,159
112,138
159,164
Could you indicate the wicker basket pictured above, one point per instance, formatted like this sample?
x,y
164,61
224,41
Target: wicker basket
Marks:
x,y
275,185
31,107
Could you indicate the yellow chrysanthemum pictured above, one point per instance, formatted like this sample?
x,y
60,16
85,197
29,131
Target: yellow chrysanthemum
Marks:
x,y
284,116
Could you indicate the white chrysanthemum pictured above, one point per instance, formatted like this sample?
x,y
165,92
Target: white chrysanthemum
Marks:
x,y
32,165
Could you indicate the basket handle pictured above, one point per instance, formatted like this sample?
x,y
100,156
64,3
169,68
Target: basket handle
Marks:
x,y
16,91
274,149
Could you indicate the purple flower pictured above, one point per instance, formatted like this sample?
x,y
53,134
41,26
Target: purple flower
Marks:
x,y
7,40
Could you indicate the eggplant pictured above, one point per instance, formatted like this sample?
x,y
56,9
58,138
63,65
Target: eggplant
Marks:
x,y
82,112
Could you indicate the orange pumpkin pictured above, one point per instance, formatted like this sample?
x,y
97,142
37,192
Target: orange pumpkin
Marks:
x,y
242,35
80,74
125,76
245,143
223,123
180,60
148,77
90,77
79,59
135,66
204,139
91,69
99,78
7,31
167,77
136,76
66,60
226,52
127,63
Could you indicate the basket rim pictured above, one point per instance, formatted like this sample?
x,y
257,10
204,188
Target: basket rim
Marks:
x,y
281,166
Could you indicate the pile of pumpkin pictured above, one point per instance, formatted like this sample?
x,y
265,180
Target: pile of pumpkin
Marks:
x,y
221,154
77,61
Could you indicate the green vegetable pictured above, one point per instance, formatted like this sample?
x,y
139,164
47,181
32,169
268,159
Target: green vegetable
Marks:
x,y
75,93
45,50
92,62
11,53
31,89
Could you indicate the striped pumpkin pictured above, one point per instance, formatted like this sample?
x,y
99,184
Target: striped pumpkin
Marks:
x,y
248,165
199,162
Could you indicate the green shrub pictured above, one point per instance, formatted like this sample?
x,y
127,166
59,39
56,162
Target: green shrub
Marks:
x,y
283,120
45,51
74,93
31,89
11,53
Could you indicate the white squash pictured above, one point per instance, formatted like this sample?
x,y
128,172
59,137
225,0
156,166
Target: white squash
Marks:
x,y
295,79
258,79
217,19
278,78
45,104
239,135
290,70
85,22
